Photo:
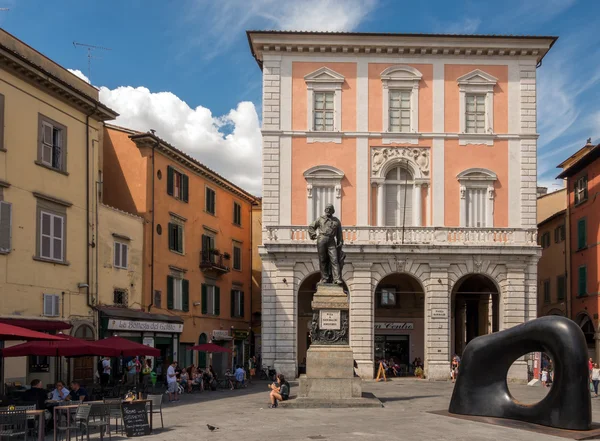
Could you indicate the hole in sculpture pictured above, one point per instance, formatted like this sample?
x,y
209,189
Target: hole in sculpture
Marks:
x,y
539,367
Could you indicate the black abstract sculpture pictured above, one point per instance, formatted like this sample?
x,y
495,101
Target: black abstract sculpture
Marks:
x,y
482,390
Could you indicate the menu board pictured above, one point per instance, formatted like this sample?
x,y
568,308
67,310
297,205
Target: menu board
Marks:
x,y
135,419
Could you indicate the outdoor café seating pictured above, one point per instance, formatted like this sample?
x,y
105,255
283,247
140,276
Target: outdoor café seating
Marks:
x,y
13,423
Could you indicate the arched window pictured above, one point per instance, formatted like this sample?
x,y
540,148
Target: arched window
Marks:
x,y
85,332
202,355
399,185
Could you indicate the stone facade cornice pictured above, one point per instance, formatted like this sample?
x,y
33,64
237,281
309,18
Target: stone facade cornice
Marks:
x,y
273,43
396,138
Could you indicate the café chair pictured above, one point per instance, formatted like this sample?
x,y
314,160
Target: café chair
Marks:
x,y
81,415
98,418
114,411
156,406
13,423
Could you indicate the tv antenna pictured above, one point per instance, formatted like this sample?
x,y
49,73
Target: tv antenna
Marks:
x,y
90,48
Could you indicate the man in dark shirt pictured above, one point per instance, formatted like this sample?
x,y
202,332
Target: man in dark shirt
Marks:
x,y
78,393
36,394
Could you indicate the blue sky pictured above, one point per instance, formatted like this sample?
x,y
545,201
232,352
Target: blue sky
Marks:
x,y
183,67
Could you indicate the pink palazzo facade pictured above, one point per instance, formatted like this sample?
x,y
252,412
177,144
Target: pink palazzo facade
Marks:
x,y
426,147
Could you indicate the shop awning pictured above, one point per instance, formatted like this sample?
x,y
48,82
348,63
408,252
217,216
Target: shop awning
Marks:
x,y
135,314
37,324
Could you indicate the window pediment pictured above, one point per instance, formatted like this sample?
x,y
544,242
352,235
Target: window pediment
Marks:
x,y
477,174
477,78
324,172
401,73
324,75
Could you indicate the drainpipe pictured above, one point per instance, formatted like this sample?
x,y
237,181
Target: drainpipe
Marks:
x,y
87,205
251,273
568,290
152,232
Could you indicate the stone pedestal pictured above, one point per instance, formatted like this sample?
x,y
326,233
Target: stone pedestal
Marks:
x,y
329,379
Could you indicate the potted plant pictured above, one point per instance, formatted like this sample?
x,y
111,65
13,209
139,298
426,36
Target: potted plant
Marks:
x,y
215,252
226,256
419,372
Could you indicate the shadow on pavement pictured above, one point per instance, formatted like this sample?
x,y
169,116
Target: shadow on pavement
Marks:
x,y
416,397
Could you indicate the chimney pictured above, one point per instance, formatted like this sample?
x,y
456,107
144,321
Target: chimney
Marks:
x,y
541,191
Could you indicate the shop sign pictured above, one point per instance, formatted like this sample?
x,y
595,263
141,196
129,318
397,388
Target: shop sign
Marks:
x,y
395,326
134,325
439,313
219,334
330,320
240,334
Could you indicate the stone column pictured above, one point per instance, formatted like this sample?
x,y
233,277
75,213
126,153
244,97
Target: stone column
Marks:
x,y
380,204
286,320
437,323
361,319
417,204
268,330
513,302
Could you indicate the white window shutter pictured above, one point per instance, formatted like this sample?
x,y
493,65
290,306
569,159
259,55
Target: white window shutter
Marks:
x,y
124,250
117,256
51,305
407,203
391,205
5,226
56,305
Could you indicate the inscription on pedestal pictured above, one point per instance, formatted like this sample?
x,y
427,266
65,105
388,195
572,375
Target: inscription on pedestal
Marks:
x,y
330,319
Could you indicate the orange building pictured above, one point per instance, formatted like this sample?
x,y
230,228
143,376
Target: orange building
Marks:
x,y
582,172
197,244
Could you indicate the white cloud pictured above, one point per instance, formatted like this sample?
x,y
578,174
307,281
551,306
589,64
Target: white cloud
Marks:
x,y
230,145
224,22
79,74
466,26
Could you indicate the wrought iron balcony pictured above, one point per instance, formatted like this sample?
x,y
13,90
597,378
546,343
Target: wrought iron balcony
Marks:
x,y
213,261
441,236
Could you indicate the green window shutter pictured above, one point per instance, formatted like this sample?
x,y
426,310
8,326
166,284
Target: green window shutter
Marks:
x,y
242,304
217,300
184,187
179,238
169,292
232,303
204,299
581,234
170,180
582,281
171,236
185,299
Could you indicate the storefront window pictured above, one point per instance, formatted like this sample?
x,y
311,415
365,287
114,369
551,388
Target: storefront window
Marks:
x,y
388,297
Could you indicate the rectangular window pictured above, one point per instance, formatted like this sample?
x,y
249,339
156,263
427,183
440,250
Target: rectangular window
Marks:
x,y
237,258
120,297
546,291
399,110
208,246
237,303
51,305
120,255
476,207
321,197
176,237
581,233
387,297
177,184
5,227
475,113
323,111
545,239
157,298
581,190
211,300
582,281
561,287
560,233
210,201
178,293
52,150
237,213
51,236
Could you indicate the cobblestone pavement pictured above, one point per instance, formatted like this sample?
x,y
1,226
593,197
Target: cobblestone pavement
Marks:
x,y
244,415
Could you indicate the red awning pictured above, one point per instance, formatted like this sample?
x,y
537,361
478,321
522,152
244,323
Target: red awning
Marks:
x,y
10,332
37,325
121,346
67,347
209,347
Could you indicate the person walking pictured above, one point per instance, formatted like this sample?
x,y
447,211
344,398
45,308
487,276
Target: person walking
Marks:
x,y
172,386
595,378
106,368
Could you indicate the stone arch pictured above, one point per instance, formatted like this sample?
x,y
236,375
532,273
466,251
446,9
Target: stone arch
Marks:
x,y
586,324
84,331
420,271
495,272
409,162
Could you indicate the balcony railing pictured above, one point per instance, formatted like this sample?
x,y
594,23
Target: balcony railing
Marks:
x,y
410,236
211,261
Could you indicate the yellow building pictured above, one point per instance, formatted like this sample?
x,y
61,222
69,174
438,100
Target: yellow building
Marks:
x,y
50,122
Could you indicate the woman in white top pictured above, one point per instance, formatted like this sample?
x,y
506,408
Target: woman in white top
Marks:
x,y
595,378
544,377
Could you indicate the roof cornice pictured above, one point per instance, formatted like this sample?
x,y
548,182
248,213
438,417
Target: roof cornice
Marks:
x,y
281,42
153,141
41,78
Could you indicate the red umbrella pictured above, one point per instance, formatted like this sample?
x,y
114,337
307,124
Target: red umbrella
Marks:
x,y
121,346
209,347
67,346
10,332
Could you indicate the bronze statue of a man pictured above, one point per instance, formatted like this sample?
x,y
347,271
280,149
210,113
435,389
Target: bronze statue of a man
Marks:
x,y
329,246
